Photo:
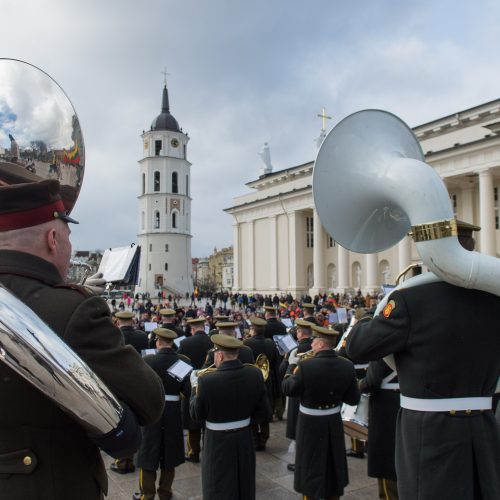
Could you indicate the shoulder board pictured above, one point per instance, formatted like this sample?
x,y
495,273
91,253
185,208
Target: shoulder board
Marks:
x,y
86,292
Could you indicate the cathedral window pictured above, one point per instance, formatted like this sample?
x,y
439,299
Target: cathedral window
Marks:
x,y
143,183
187,185
174,220
157,220
166,266
495,198
175,184
156,186
143,220
157,148
330,242
309,232
166,247
150,247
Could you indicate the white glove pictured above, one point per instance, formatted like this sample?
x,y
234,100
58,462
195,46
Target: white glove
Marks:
x,y
293,359
194,379
95,283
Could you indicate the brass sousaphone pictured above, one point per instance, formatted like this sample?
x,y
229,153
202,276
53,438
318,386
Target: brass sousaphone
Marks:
x,y
40,138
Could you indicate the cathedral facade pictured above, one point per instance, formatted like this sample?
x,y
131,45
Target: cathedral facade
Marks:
x,y
280,244
165,208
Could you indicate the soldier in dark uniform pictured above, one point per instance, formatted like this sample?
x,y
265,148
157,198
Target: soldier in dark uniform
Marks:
x,y
304,338
265,347
245,354
195,348
163,442
445,343
274,326
322,383
381,382
44,453
308,313
228,466
136,338
139,341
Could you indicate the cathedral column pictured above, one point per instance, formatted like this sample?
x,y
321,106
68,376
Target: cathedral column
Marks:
x,y
372,272
251,257
487,213
236,257
404,254
273,252
343,264
318,256
467,205
292,251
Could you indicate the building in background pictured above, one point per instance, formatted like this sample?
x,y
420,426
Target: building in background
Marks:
x,y
280,244
84,263
165,208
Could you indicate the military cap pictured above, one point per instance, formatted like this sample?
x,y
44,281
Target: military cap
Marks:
x,y
124,315
256,321
165,333
466,229
303,323
269,308
167,312
226,325
221,318
225,342
30,204
307,305
196,321
359,312
321,330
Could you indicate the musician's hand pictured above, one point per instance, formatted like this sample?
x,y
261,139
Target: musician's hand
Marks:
x,y
95,283
293,359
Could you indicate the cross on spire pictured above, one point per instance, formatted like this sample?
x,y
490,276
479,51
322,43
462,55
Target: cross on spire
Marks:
x,y
325,117
164,73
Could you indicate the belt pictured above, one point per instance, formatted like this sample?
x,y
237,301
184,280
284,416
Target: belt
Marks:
x,y
227,426
447,404
361,366
171,397
319,412
390,385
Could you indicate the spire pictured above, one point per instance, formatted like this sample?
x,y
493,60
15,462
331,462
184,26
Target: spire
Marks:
x,y
165,108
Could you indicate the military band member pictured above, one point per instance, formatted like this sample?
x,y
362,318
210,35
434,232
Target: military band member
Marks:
x,y
381,382
445,343
304,338
273,325
245,354
308,313
228,400
169,320
263,347
44,453
139,341
322,383
163,442
195,348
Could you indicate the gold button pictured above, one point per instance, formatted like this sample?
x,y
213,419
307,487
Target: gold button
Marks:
x,y
468,412
453,412
27,460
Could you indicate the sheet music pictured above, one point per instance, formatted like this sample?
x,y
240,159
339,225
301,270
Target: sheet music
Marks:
x,y
149,326
285,343
145,352
342,314
178,340
287,322
179,370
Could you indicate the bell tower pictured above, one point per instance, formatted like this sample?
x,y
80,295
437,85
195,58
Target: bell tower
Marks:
x,y
165,207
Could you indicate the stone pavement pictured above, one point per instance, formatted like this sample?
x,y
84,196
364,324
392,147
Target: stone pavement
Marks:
x,y
273,480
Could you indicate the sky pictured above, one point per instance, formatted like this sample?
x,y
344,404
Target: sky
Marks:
x,y
240,74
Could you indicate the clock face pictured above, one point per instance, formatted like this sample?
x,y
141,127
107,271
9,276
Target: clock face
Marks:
x,y
174,142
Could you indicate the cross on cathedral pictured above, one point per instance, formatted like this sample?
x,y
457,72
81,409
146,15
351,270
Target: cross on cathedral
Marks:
x,y
325,117
164,73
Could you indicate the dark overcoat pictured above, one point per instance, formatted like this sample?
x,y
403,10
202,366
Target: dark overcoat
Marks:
x,y
274,327
65,462
326,380
446,345
234,392
136,338
245,356
292,411
163,442
382,413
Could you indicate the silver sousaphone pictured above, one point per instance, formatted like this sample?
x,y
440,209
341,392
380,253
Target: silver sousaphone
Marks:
x,y
40,138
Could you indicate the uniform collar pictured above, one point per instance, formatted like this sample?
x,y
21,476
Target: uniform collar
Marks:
x,y
26,264
327,353
231,365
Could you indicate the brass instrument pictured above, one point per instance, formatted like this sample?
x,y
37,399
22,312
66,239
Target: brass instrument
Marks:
x,y
306,355
262,363
411,268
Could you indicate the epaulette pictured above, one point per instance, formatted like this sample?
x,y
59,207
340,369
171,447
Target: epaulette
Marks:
x,y
86,292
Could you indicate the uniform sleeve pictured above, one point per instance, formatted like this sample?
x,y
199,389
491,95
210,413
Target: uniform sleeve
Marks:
x,y
198,404
352,394
263,411
293,385
374,376
384,334
91,333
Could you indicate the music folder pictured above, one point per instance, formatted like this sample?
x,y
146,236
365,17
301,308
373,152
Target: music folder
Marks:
x,y
179,370
121,265
285,343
